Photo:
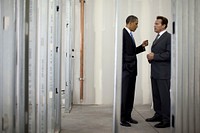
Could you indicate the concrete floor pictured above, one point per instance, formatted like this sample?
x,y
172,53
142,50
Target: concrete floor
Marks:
x,y
98,119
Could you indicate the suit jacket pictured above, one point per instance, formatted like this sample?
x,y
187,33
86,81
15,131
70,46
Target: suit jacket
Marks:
x,y
161,64
129,58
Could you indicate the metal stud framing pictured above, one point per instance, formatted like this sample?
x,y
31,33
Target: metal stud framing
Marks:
x,y
1,66
8,62
32,67
20,66
186,66
57,75
30,57
44,94
66,47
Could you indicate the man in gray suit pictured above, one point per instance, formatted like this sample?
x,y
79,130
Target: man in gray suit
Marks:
x,y
160,60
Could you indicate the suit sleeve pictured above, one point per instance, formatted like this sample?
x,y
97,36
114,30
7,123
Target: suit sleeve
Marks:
x,y
165,55
140,49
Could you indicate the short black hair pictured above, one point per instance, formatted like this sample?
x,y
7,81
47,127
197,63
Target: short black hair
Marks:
x,y
131,18
164,20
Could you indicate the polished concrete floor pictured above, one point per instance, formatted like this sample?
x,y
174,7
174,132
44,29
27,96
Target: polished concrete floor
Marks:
x,y
98,119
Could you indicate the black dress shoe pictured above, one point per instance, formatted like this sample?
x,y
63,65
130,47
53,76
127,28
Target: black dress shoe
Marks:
x,y
125,123
154,119
132,121
162,125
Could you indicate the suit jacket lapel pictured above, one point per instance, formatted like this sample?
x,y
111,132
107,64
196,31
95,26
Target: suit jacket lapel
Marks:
x,y
163,35
156,42
131,40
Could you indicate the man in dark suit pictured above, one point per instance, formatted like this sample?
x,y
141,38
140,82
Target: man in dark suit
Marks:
x,y
160,59
129,70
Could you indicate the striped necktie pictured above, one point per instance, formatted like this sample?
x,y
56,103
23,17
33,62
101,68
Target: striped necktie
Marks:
x,y
132,38
157,37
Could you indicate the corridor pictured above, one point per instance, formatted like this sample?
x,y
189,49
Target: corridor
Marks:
x,y
98,119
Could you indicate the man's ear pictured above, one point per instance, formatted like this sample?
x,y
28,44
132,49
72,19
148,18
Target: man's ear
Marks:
x,y
164,26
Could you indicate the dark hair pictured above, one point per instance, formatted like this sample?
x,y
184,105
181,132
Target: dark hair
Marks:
x,y
131,18
164,20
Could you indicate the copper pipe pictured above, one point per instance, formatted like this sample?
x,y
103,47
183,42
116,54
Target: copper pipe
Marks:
x,y
81,48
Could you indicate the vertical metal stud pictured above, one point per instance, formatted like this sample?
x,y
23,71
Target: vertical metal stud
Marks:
x,y
185,66
57,90
8,63
20,65
50,66
32,67
66,50
197,66
117,69
1,67
42,27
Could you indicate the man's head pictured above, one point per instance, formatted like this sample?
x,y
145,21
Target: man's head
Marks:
x,y
160,24
132,23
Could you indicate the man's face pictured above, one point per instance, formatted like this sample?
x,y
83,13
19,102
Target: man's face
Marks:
x,y
133,25
158,27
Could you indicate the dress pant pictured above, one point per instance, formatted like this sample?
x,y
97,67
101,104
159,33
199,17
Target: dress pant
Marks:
x,y
161,97
127,94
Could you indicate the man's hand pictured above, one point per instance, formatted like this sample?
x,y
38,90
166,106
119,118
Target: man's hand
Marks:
x,y
145,43
150,56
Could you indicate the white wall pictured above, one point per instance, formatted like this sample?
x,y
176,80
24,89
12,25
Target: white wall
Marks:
x,y
99,46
